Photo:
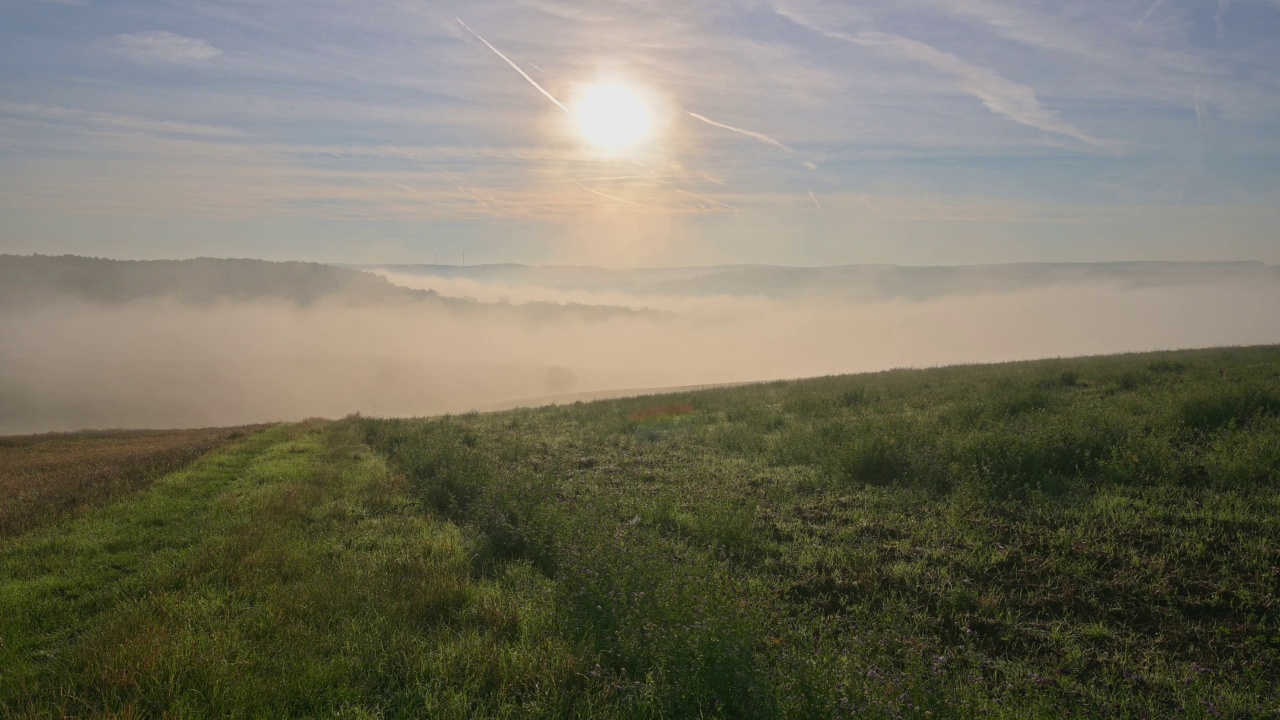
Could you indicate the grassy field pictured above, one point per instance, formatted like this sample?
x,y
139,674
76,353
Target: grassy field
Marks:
x,y
1096,537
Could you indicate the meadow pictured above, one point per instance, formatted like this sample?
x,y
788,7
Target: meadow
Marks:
x,y
1093,537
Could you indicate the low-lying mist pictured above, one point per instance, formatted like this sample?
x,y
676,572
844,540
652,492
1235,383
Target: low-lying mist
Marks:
x,y
72,364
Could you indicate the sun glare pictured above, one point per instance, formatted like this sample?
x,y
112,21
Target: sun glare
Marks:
x,y
612,116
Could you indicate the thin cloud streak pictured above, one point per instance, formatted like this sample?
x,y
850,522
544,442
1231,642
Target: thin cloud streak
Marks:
x,y
1155,5
816,204
749,133
614,178
113,121
1153,64
1003,97
515,67
706,199
606,195
166,47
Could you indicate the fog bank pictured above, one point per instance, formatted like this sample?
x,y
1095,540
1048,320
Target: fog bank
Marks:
x,y
70,364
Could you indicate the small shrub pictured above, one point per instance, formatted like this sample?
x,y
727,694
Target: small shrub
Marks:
x,y
854,397
1166,366
1037,457
738,438
1244,458
1207,411
1012,403
440,459
798,444
809,404
874,459
1131,380
663,411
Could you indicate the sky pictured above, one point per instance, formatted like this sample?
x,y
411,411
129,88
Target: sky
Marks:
x,y
796,132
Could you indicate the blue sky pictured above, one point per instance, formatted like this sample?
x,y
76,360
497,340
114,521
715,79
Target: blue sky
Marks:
x,y
787,131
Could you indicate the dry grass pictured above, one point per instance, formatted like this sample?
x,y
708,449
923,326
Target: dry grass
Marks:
x,y
47,477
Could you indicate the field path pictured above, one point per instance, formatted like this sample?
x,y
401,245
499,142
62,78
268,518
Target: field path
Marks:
x,y
55,583
288,575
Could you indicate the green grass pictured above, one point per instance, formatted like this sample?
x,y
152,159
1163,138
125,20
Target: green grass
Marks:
x,y
288,576
1095,537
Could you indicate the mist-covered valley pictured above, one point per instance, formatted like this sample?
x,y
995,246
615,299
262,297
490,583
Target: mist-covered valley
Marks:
x,y
97,343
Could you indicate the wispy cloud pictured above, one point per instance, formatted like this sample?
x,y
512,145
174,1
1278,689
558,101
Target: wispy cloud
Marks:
x,y
166,47
1151,60
606,195
1003,97
1155,4
705,199
94,120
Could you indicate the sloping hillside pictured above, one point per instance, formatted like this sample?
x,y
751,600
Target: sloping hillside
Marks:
x,y
1093,537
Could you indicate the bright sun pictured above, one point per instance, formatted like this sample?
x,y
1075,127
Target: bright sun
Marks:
x,y
612,116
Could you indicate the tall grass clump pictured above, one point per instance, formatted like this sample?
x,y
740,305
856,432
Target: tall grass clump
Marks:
x,y
441,460
1210,409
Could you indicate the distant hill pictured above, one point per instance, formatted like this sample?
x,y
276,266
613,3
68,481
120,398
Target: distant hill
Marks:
x,y
27,281
856,282
875,282
37,278
562,277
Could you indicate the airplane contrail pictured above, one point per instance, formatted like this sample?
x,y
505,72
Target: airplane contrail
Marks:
x,y
749,133
816,204
515,67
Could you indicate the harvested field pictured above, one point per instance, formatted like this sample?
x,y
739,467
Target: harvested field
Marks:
x,y
47,477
